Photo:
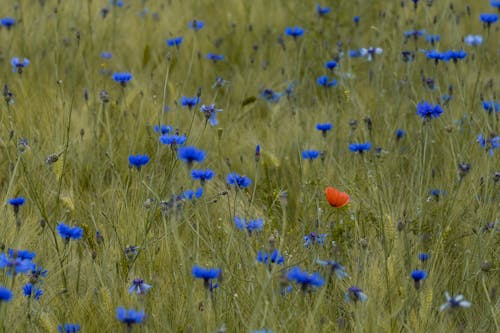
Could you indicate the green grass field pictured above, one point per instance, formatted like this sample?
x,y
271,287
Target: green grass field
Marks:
x,y
68,127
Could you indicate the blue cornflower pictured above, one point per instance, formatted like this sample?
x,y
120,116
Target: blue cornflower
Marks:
x,y
324,128
16,203
324,81
488,19
331,64
370,52
190,194
130,316
495,4
455,55
36,274
207,274
106,55
237,180
432,39
428,111
202,175
354,54
356,19
139,287
196,25
257,153
454,302
423,256
473,40
18,64
314,238
191,154
21,254
163,129
8,22
437,193
189,102
5,294
250,225
270,95
360,147
399,134
30,290
177,41
262,331
491,106
173,140
310,154
122,78
117,3
489,144
305,279
14,264
270,258
138,161
294,31
336,268
214,57
418,276
414,33
355,294
68,328
434,55
210,113
322,11
67,232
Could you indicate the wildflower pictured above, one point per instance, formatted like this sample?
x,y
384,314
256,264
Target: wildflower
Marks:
x,y
131,251
360,147
355,294
189,102
18,64
310,154
489,144
173,140
163,129
202,175
139,287
138,161
250,225
356,19
21,254
214,57
322,11
16,203
30,290
432,39
68,328
294,32
191,154
190,194
8,22
407,56
418,276
324,128
454,55
491,106
370,52
399,134
5,294
414,33
36,274
130,316
15,264
122,78
336,198
473,40
237,180
436,193
207,274
305,279
67,232
270,96
272,258
257,153
210,113
495,4
262,331
177,41
196,25
454,302
428,111
330,65
488,19
314,238
106,55
434,55
324,81
423,256
463,169
336,268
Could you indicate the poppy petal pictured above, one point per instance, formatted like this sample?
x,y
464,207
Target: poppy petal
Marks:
x,y
336,198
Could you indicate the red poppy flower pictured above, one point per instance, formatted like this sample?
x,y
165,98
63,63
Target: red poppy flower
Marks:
x,y
336,198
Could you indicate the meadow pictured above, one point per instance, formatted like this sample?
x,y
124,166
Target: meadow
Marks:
x,y
249,166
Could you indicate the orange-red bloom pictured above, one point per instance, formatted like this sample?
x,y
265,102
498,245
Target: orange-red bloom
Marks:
x,y
336,198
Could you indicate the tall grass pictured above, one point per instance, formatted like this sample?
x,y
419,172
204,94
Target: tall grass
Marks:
x,y
65,149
